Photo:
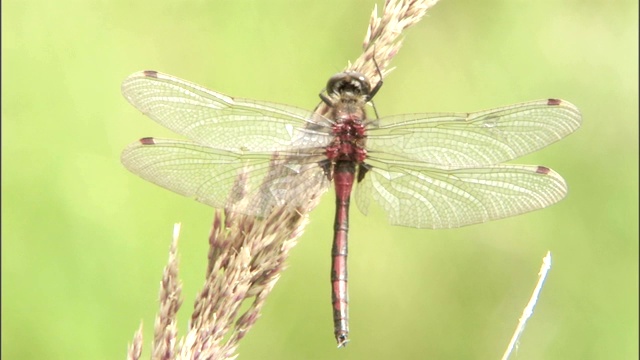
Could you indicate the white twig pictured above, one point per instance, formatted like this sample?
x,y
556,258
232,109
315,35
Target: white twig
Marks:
x,y
528,310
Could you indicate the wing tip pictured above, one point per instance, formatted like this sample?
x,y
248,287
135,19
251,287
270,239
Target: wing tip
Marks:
x,y
563,103
152,74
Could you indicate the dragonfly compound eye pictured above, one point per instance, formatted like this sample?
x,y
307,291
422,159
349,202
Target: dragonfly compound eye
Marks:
x,y
348,81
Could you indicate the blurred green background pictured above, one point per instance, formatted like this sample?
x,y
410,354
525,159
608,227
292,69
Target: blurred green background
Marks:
x,y
84,241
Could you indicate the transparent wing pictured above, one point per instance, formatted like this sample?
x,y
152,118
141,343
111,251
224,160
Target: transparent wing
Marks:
x,y
469,140
432,198
214,119
246,183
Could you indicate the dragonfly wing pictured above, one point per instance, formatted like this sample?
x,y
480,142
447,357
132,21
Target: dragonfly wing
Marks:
x,y
247,183
434,198
214,119
469,140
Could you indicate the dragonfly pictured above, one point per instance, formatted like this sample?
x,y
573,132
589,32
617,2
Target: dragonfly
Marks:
x,y
428,170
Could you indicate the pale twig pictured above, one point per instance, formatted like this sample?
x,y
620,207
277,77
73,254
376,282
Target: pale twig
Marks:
x,y
528,310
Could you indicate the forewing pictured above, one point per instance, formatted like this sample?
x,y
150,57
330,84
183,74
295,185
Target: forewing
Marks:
x,y
433,198
217,120
247,183
470,140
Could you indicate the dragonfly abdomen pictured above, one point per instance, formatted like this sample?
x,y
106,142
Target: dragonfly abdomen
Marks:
x,y
344,174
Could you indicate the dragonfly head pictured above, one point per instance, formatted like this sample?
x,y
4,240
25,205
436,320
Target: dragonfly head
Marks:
x,y
349,83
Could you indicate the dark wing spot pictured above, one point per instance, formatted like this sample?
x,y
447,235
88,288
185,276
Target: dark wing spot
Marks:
x,y
147,141
554,102
543,170
151,73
